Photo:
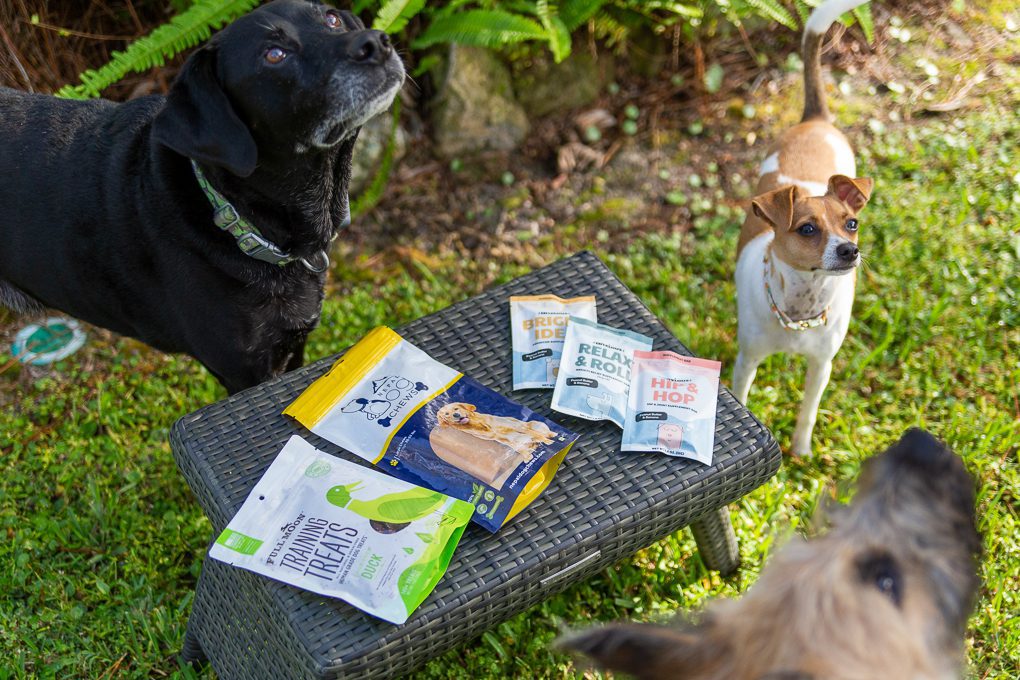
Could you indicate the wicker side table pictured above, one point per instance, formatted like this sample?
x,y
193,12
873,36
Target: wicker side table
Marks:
x,y
601,507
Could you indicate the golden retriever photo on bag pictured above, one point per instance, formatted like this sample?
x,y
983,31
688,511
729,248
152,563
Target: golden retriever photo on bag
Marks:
x,y
523,437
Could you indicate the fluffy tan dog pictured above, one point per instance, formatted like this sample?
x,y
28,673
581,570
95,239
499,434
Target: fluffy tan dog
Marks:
x,y
523,437
885,595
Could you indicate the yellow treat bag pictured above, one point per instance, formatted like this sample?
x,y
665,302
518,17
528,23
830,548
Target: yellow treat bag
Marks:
x,y
421,421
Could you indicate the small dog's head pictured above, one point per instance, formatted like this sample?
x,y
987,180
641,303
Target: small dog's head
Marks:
x,y
455,414
292,77
885,594
816,233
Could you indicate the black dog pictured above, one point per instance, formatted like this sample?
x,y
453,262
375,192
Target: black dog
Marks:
x,y
102,214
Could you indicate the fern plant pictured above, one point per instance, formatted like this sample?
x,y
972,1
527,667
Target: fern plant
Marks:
x,y
482,23
185,30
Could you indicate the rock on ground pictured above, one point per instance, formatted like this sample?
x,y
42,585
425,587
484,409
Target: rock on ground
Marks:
x,y
371,148
475,109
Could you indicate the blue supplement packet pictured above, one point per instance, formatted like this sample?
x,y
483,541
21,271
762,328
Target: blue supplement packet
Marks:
x,y
538,324
595,370
672,403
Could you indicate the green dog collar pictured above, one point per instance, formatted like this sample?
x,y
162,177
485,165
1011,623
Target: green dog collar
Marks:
x,y
249,239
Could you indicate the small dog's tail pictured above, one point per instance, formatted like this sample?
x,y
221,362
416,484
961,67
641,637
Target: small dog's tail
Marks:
x,y
817,25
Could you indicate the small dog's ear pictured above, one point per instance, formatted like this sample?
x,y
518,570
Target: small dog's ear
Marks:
x,y
776,207
646,650
199,122
470,407
854,192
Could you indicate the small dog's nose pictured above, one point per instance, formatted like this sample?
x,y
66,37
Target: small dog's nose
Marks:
x,y
847,251
370,47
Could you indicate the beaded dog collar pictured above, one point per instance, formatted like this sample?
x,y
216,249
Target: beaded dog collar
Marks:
x,y
784,319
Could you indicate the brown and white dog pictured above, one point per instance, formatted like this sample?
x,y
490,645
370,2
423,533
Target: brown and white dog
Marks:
x,y
797,255
521,436
884,595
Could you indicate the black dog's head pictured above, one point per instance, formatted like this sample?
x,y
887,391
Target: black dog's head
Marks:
x,y
291,78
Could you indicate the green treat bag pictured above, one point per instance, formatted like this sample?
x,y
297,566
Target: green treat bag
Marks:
x,y
342,530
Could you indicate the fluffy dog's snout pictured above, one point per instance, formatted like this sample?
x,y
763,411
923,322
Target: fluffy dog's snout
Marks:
x,y
370,47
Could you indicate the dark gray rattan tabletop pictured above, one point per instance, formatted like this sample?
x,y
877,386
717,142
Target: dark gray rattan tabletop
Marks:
x,y
601,506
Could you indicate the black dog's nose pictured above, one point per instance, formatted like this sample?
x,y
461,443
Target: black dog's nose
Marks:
x,y
370,47
847,251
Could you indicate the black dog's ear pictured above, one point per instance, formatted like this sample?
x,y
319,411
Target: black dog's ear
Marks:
x,y
199,122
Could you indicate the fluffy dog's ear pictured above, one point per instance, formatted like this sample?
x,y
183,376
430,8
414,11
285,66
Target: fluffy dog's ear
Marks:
x,y
199,122
647,651
854,192
776,207
470,407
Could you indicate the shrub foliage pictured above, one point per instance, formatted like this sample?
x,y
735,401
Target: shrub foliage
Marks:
x,y
483,23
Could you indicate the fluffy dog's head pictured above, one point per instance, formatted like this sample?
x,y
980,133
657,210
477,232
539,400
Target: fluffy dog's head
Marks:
x,y
816,233
456,414
291,78
885,594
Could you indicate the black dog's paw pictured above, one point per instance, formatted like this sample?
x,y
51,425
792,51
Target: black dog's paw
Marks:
x,y
385,422
421,387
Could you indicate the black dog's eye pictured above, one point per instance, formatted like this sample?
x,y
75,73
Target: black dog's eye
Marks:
x,y
333,20
807,229
851,225
882,572
274,55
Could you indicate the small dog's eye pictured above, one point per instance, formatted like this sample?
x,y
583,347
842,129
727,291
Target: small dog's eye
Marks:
x,y
807,229
274,55
333,20
851,225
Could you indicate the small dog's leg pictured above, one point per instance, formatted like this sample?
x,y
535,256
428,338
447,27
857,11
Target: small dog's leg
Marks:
x,y
744,371
818,372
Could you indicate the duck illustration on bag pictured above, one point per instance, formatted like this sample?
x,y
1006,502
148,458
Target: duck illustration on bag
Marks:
x,y
390,393
391,508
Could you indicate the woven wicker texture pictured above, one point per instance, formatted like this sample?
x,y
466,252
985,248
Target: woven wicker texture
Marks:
x,y
602,505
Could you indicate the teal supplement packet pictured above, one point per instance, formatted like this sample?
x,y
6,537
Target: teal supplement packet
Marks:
x,y
595,367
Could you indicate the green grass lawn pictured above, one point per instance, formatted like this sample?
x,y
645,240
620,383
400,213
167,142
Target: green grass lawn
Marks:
x,y
102,541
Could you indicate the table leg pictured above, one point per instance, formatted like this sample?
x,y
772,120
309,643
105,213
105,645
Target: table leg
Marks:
x,y
191,650
716,541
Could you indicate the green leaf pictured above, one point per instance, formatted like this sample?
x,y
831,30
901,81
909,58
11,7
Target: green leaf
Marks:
x,y
714,77
678,8
863,16
482,28
558,33
182,32
394,14
771,9
576,12
493,642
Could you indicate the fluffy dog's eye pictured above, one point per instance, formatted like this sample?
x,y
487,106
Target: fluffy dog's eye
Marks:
x,y
274,55
851,225
807,229
883,573
333,20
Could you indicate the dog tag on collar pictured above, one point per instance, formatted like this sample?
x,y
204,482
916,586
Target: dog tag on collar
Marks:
x,y
48,342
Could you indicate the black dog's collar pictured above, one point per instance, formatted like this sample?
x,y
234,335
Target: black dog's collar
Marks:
x,y
249,239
